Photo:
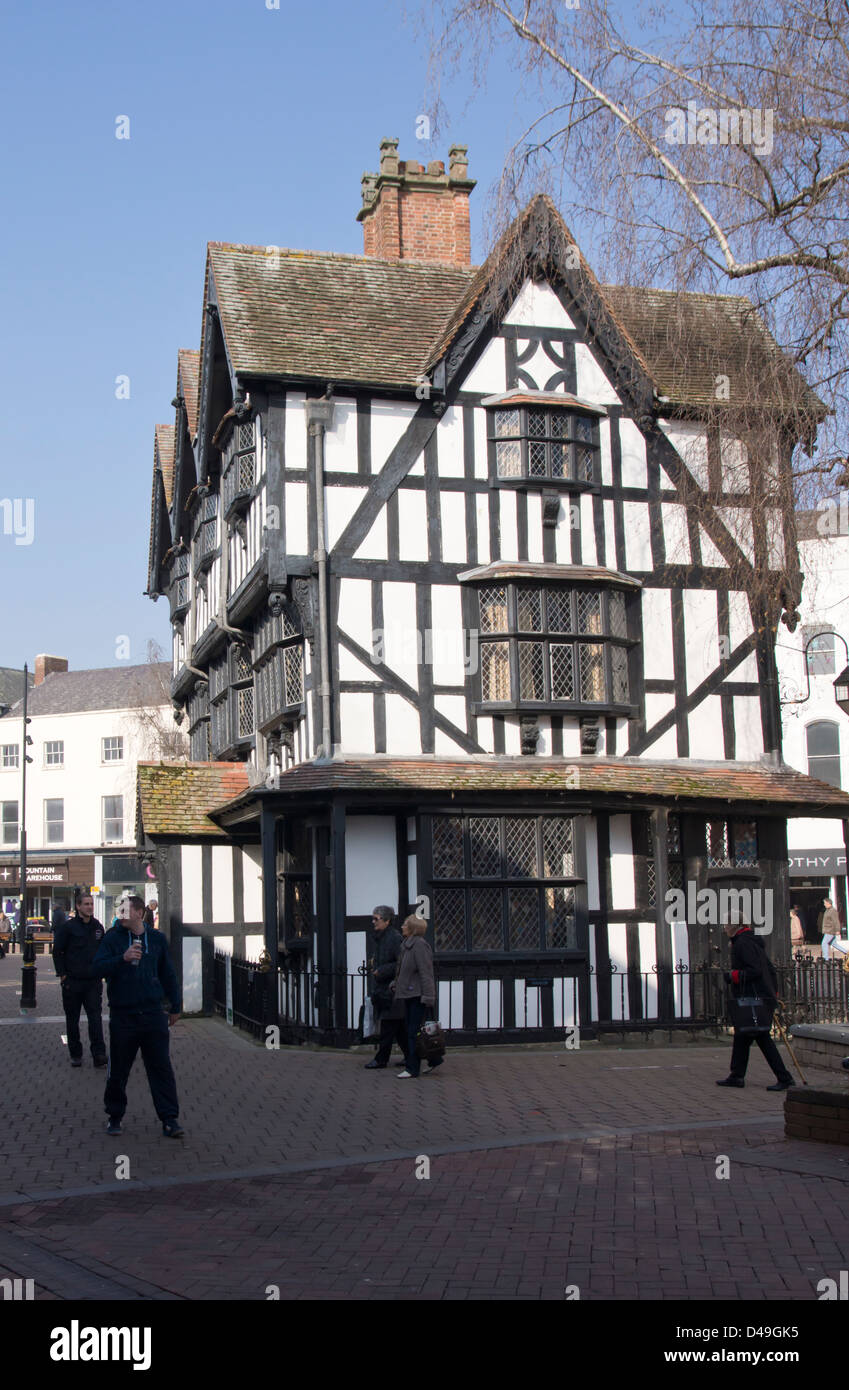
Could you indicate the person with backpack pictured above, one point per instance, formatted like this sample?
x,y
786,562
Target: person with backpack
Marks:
x,y
752,973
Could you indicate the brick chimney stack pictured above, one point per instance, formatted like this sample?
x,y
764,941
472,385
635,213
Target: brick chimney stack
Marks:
x,y
46,665
413,213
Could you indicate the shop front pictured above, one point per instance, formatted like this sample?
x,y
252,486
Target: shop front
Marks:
x,y
817,874
51,883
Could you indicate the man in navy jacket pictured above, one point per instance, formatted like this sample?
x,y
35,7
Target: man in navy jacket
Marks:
x,y
75,945
140,975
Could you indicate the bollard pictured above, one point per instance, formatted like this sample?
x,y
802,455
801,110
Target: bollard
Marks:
x,y
28,973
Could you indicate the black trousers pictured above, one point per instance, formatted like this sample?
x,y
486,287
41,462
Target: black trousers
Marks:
x,y
130,1031
392,1030
88,995
742,1047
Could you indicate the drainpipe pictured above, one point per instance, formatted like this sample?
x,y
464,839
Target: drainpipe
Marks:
x,y
319,415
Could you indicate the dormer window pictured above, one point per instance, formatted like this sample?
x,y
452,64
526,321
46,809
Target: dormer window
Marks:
x,y
543,438
239,475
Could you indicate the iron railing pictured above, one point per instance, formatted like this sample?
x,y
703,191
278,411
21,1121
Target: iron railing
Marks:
x,y
485,1002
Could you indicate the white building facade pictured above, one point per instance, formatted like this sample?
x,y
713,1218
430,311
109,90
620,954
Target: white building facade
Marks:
x,y
816,730
89,729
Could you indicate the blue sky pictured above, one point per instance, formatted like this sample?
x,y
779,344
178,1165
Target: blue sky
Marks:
x,y
246,124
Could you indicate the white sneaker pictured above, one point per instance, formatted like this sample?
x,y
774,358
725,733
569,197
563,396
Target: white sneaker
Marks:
x,y
405,1075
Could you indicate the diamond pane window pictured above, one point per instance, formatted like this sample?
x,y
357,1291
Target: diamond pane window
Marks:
x,y
520,847
245,436
294,664
559,605
493,610
449,919
673,836
745,844
718,855
589,612
246,711
618,625
562,671
549,671
506,424
537,914
495,671
619,674
592,672
557,851
508,456
486,907
529,610
559,919
523,919
537,442
447,847
486,853
242,669
531,671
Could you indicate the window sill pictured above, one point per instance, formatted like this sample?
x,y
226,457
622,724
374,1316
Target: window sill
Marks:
x,y
547,484
583,711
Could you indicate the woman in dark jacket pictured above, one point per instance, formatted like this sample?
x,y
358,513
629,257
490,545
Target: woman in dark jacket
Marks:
x,y
414,989
753,973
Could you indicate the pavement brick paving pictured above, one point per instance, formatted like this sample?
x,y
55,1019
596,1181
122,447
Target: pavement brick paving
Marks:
x,y
594,1168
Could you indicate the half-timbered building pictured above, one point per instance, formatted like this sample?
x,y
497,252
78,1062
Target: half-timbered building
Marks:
x,y
458,574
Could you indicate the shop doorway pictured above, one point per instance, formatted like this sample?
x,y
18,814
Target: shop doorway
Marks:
x,y
808,897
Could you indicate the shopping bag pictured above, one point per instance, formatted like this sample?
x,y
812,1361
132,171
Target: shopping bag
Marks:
x,y
368,1021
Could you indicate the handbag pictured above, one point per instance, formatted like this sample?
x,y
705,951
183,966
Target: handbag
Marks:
x,y
430,1041
750,1014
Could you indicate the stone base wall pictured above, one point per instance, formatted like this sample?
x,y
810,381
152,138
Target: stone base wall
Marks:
x,y
818,1052
821,1115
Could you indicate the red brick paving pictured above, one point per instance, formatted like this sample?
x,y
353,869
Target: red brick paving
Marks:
x,y
620,1213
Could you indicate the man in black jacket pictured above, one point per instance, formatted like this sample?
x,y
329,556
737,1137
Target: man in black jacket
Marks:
x,y
140,976
384,963
75,945
753,973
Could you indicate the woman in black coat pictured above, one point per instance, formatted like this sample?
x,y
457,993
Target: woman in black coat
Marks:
x,y
753,973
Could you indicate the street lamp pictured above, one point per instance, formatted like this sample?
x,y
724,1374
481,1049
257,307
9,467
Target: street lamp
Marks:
x,y
841,685
841,690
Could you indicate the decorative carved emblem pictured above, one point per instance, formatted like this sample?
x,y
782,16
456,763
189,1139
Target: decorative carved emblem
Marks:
x,y
590,734
529,733
302,593
550,508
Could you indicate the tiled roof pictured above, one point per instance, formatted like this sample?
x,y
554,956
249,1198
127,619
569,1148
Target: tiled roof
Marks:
x,y
545,569
345,318
12,684
175,798
640,778
188,365
687,339
110,687
165,458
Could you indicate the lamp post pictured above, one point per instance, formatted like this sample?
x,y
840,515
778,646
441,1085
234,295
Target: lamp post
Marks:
x,y
841,690
28,966
841,685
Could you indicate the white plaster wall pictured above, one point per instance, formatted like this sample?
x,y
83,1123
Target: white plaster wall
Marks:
x,y
448,647
657,634
412,524
340,503
340,440
690,441
747,725
538,306
389,420
222,884
375,543
297,542
637,536
700,635
192,975
252,882
296,430
356,717
621,863
593,902
371,864
509,524
449,442
588,545
675,534
402,642
192,873
633,447
403,727
489,373
452,509
705,730
593,385
666,744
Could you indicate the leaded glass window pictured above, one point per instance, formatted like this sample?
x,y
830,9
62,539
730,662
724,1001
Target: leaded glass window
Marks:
x,y
503,883
545,443
536,648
